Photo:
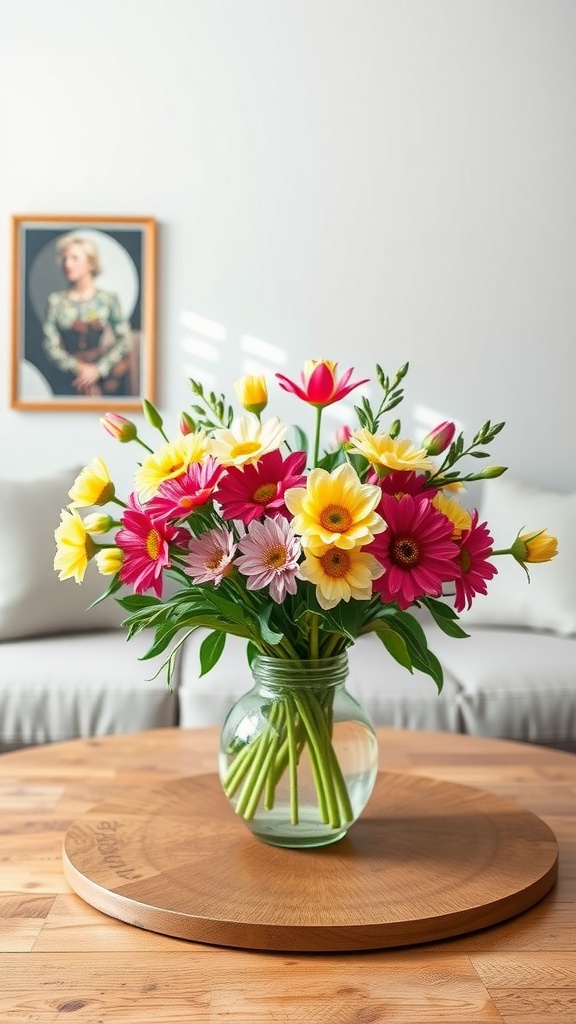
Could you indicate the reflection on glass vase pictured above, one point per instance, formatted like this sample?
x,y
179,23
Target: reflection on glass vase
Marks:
x,y
298,754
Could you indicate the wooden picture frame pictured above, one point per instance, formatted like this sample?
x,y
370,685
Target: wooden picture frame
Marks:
x,y
83,312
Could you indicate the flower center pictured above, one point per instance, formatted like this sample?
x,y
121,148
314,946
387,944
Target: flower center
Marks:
x,y
275,557
215,561
465,560
405,551
335,518
247,448
335,563
262,495
153,544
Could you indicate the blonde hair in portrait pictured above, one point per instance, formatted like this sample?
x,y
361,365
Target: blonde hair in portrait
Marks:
x,y
89,247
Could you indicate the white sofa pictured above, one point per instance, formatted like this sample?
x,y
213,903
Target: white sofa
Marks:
x,y
66,671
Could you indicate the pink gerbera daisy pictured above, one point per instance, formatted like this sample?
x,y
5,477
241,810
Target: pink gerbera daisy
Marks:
x,y
400,482
248,492
270,553
146,547
177,498
475,546
416,550
211,556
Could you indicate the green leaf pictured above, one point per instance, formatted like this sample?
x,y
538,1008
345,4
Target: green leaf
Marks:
x,y
133,602
301,439
347,618
394,644
444,617
269,635
211,650
112,588
330,460
417,644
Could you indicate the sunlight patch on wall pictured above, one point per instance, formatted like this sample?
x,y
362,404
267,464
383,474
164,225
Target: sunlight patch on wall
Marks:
x,y
201,325
263,350
200,348
203,343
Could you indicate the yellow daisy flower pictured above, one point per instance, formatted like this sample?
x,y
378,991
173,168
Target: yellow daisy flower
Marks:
x,y
386,453
109,561
335,508
169,462
340,575
74,546
247,440
92,486
453,510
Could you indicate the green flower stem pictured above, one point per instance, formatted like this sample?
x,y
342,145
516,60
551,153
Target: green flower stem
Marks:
x,y
241,765
293,757
256,776
317,434
256,785
301,719
323,717
314,637
324,785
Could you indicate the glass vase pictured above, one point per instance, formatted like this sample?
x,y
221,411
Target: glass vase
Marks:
x,y
298,754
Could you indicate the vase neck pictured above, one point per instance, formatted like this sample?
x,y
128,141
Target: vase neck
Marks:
x,y
282,672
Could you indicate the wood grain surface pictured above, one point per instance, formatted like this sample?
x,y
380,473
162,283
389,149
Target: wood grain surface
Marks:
x,y
428,859
62,960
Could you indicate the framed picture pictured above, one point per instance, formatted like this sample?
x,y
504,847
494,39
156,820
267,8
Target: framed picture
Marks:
x,y
83,312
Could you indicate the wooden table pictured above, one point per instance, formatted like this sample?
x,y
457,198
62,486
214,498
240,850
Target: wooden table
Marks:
x,y
59,956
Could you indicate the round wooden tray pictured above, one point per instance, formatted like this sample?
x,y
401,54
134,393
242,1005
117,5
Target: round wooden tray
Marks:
x,y
428,859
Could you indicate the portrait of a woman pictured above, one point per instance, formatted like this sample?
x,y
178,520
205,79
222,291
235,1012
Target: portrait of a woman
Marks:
x,y
85,332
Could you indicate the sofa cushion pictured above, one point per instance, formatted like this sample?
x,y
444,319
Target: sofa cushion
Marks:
x,y
516,684
84,684
548,602
33,601
389,692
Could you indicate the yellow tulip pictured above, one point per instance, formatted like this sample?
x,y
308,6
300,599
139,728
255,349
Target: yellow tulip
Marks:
x,y
252,393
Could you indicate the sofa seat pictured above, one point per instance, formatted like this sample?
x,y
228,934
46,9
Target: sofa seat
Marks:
x,y
517,684
59,687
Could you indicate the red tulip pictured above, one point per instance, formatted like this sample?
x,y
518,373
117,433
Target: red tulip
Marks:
x,y
320,384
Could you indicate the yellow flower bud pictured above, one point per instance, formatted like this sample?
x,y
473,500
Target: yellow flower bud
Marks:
x,y
109,561
97,522
539,546
252,393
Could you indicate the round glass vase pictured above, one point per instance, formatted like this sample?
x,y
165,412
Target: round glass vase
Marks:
x,y
298,754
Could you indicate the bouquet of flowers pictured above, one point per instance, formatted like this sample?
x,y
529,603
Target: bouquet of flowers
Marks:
x,y
300,551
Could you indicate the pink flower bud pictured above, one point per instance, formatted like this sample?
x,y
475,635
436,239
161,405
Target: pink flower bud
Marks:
x,y
119,427
438,439
343,433
187,425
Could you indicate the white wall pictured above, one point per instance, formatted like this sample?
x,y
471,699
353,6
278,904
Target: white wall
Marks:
x,y
361,180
